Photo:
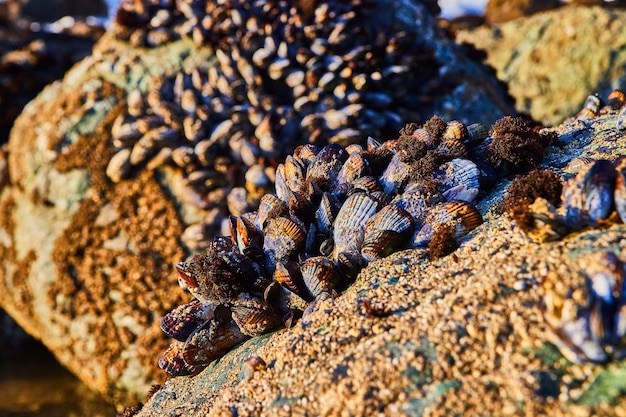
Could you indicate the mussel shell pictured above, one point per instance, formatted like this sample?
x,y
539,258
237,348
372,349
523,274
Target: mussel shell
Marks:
x,y
459,172
172,362
385,232
620,193
476,133
463,216
270,207
325,167
255,317
289,276
184,319
350,264
211,341
455,130
319,274
355,167
349,226
283,238
598,186
395,176
326,213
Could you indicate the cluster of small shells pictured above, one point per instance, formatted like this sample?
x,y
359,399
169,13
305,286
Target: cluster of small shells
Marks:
x,y
589,324
335,210
597,191
281,76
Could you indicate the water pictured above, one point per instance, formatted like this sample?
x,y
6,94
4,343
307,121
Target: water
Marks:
x,y
37,385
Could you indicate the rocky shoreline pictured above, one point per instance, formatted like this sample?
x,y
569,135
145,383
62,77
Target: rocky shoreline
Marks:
x,y
88,245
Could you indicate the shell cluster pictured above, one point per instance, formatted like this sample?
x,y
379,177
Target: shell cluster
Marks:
x,y
596,194
283,74
590,324
335,210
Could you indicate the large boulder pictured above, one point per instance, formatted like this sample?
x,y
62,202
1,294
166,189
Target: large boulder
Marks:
x,y
121,170
551,61
462,335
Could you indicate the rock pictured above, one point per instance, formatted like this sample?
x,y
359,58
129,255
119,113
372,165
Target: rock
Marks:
x,y
87,258
462,335
551,61
30,60
498,11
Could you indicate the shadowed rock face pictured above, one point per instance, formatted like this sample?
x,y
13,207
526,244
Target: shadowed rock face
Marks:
x,y
551,61
87,263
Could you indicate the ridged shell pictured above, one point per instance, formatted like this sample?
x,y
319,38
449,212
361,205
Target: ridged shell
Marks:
x,y
211,341
320,275
172,362
422,135
598,186
184,319
395,175
325,166
255,317
350,223
459,172
590,108
326,213
461,215
354,167
455,130
453,147
385,232
282,238
270,207
476,133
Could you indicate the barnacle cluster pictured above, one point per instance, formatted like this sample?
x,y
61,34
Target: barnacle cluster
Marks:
x,y
335,210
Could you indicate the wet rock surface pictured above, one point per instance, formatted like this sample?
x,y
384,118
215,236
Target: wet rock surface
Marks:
x,y
87,262
462,335
551,61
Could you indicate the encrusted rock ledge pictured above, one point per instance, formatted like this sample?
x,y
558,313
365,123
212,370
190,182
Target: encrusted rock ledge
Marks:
x,y
462,335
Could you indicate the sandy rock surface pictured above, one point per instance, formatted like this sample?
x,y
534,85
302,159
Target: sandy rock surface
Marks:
x,y
551,61
87,264
462,335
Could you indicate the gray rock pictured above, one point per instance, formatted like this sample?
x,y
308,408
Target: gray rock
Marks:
x,y
551,61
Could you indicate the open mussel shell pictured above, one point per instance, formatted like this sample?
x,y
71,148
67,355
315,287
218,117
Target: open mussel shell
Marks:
x,y
183,320
255,317
172,362
598,186
211,341
320,274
